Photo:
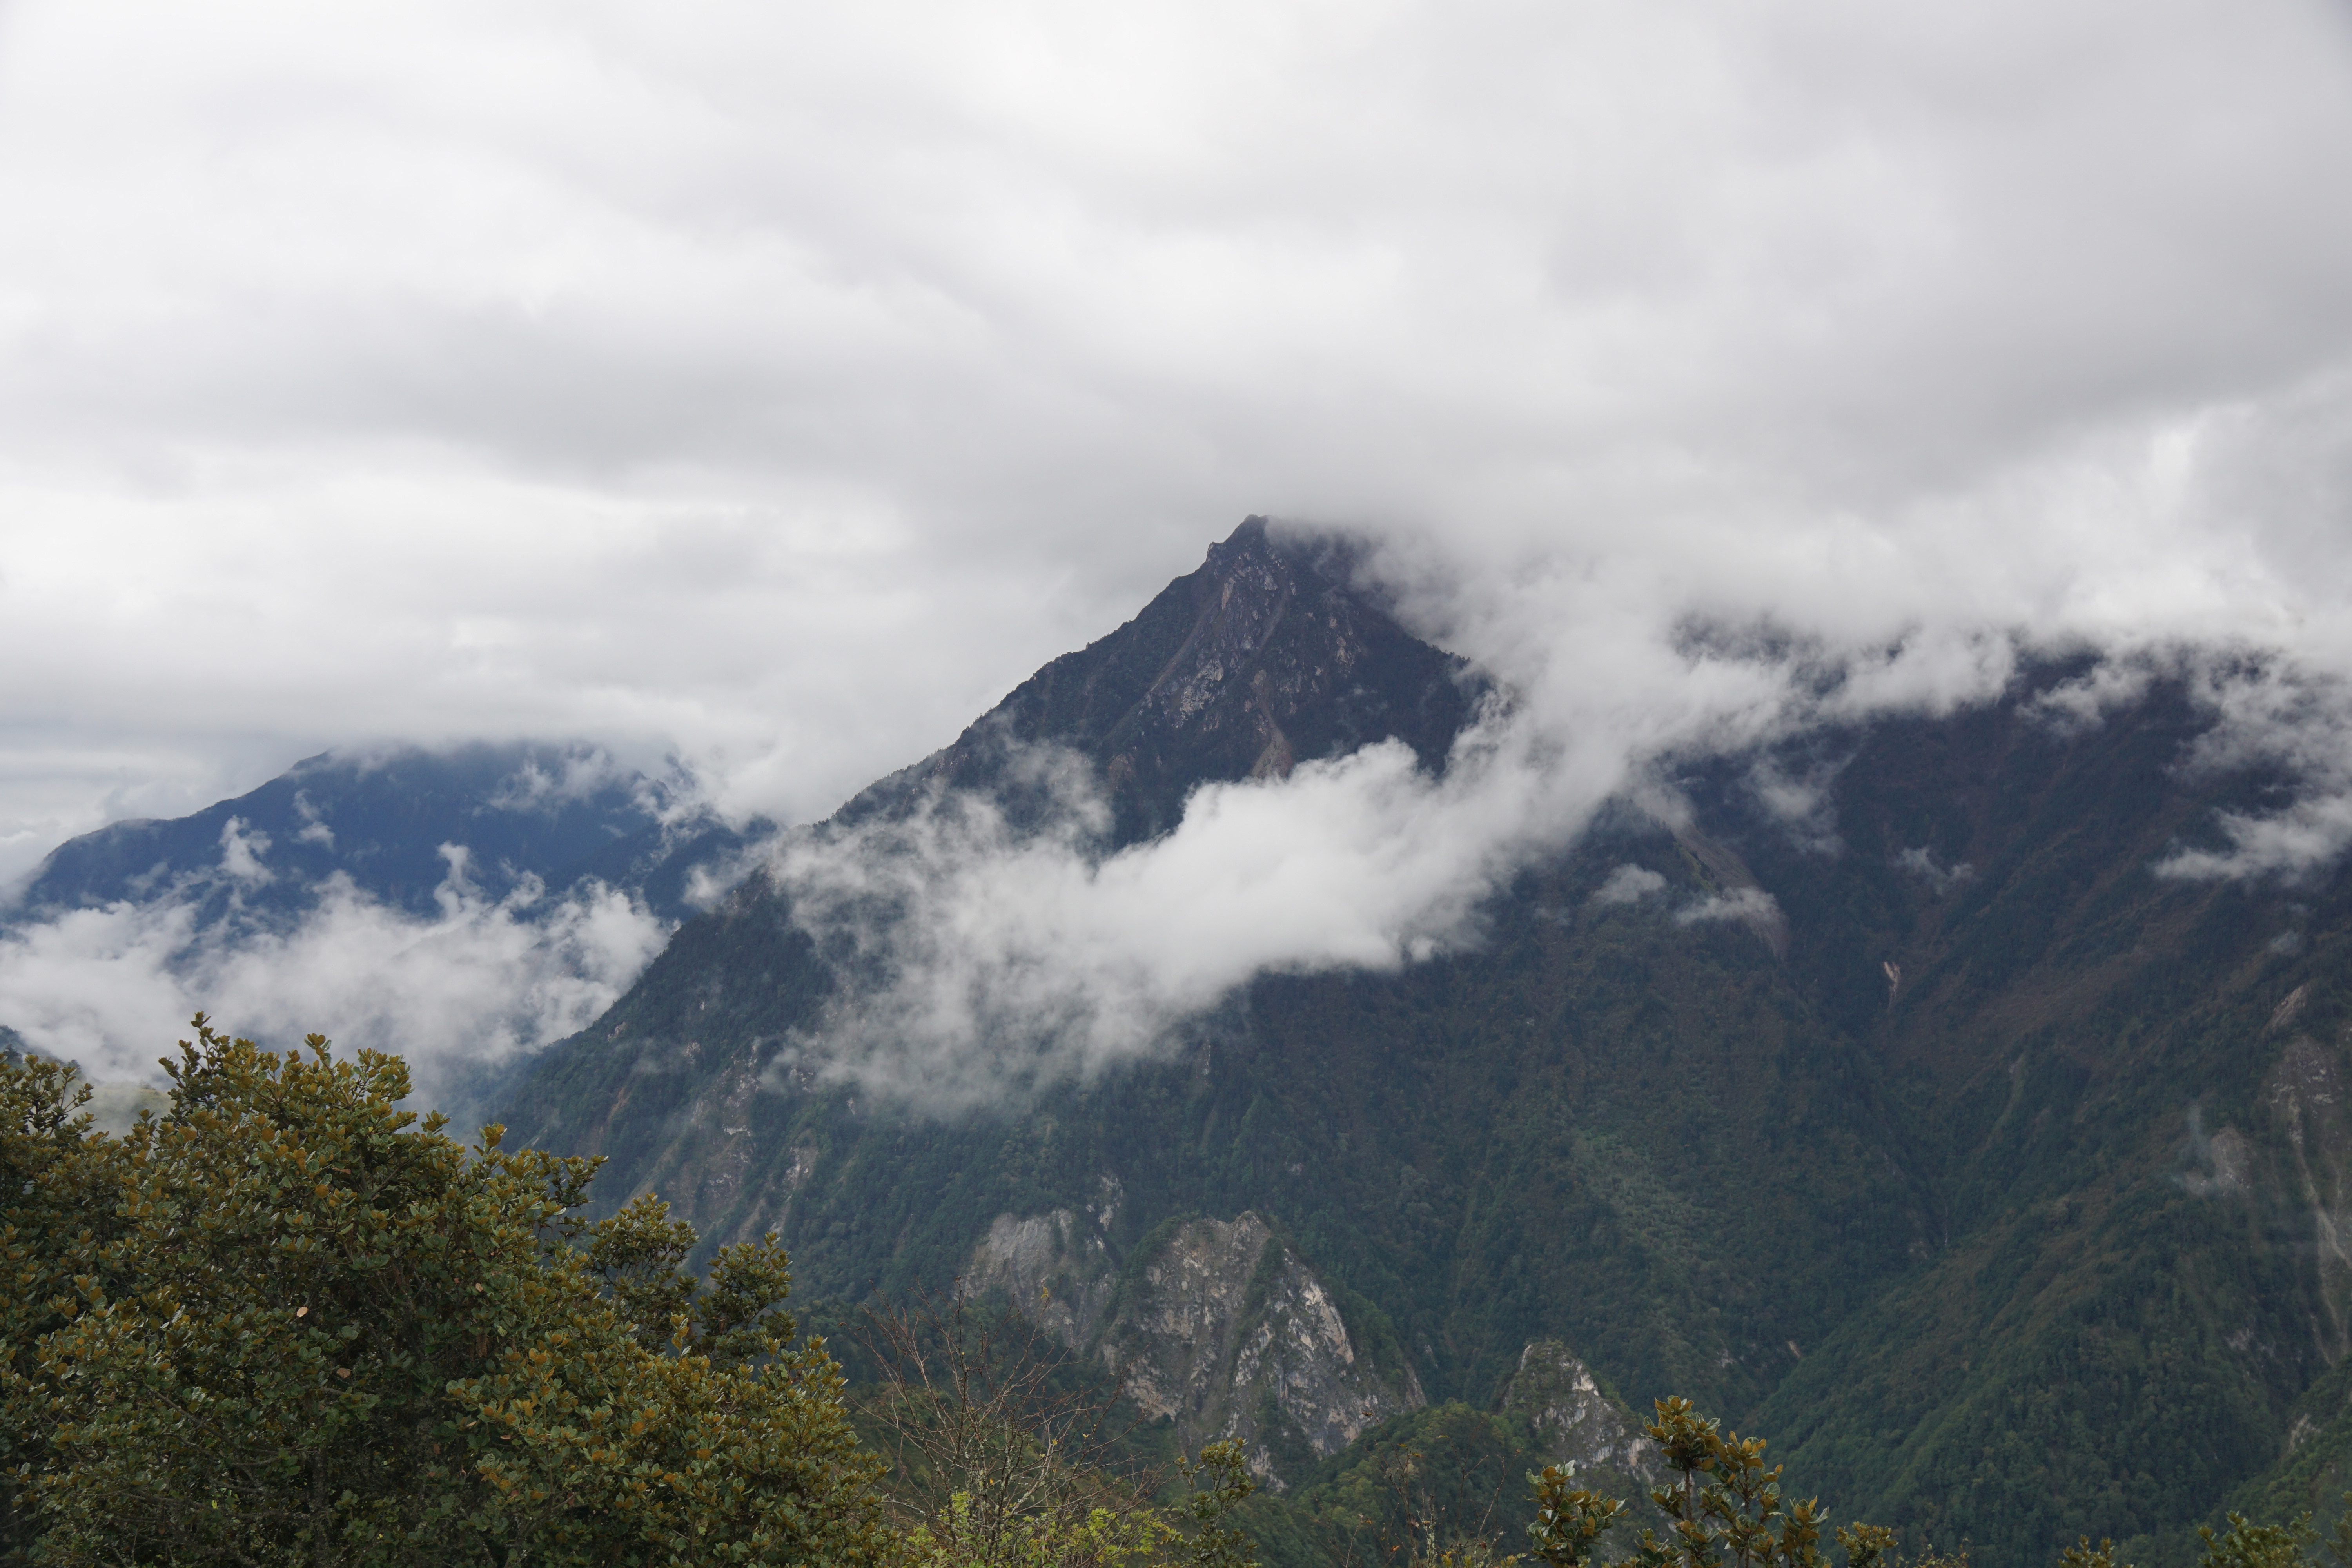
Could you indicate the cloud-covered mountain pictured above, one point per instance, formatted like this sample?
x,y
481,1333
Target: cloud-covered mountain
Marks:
x,y
1922,1054
393,824
1928,1053
462,906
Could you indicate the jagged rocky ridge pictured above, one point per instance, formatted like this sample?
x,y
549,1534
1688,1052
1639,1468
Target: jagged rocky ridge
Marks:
x,y
1244,669
1215,1326
1575,1422
1995,1177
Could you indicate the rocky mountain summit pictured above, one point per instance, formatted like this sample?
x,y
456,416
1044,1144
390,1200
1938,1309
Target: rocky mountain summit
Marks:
x,y
1244,669
1256,661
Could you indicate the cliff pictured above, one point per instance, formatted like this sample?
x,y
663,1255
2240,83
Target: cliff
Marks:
x,y
1214,1326
1575,1423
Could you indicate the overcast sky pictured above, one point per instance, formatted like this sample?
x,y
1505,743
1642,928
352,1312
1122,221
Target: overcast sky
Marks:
x,y
783,383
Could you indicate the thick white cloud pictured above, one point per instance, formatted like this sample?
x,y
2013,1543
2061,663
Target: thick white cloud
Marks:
x,y
978,960
784,382
1628,885
457,994
982,960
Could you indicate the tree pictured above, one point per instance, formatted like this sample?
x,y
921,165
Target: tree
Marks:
x,y
1002,1465
2251,1545
992,1455
312,1330
57,1180
1736,1519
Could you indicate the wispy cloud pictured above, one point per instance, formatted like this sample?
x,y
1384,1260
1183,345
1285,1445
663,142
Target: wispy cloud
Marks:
x,y
1940,879
2294,725
1628,885
978,958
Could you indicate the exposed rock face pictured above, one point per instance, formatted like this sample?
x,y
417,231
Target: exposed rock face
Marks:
x,y
2306,1093
1577,1423
1055,1267
1220,1329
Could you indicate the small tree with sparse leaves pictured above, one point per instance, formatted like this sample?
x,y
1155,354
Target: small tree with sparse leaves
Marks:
x,y
1737,1519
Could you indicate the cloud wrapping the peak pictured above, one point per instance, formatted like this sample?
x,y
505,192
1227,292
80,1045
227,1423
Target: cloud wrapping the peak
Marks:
x,y
977,958
1751,905
981,959
1628,885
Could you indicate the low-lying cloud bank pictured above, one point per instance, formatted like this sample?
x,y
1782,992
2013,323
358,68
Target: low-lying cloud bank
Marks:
x,y
983,961
459,993
979,961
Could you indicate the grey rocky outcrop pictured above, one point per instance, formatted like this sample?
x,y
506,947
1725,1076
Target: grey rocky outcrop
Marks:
x,y
1578,1424
1220,1329
1054,1267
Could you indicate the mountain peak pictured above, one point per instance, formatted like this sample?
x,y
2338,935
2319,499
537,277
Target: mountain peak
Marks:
x,y
1260,659
1244,669
1250,542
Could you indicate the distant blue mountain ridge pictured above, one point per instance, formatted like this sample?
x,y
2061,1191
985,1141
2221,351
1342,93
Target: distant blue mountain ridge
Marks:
x,y
399,824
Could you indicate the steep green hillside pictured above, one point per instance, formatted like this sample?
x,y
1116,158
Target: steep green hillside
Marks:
x,y
2126,1092
1993,1177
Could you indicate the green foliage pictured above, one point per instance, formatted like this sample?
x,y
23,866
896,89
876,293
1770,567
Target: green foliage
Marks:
x,y
1430,1479
2252,1545
56,1180
966,1534
1002,1458
1569,1518
1724,1508
311,1329
1219,1482
962,1535
991,1447
1460,1552
1739,1519
2083,1554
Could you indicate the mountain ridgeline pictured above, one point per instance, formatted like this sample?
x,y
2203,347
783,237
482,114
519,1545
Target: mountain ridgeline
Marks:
x,y
2000,1180
404,825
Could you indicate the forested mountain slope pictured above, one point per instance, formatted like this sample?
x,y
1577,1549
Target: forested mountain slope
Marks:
x,y
1990,1173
